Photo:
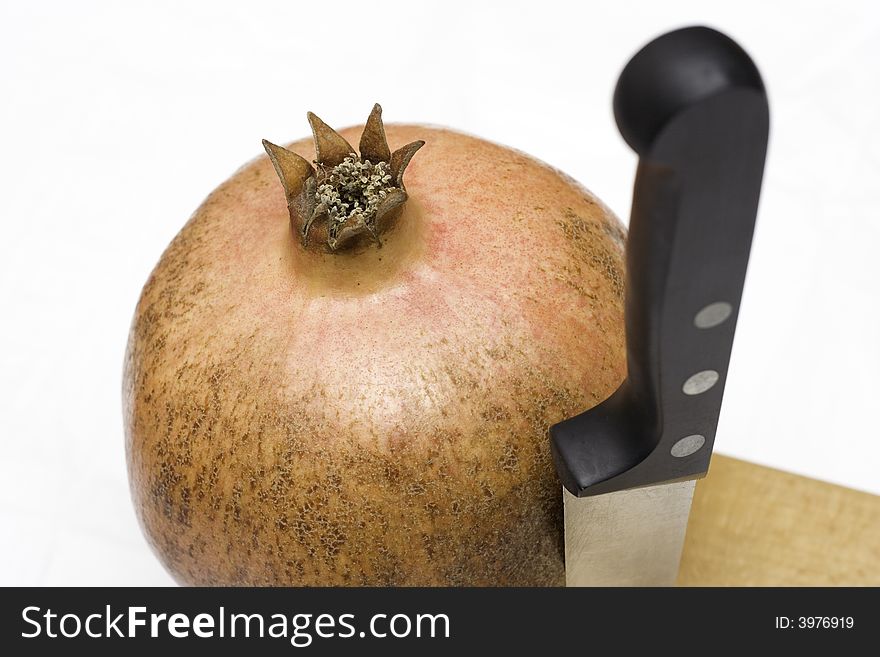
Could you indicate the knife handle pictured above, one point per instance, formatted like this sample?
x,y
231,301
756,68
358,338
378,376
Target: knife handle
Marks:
x,y
692,105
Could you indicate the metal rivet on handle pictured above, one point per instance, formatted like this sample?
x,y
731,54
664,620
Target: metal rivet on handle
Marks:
x,y
700,382
687,445
713,315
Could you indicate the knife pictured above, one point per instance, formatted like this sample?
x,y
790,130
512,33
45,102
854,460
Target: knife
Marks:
x,y
692,105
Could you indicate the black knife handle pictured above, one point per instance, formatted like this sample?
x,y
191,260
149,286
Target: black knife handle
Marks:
x,y
692,105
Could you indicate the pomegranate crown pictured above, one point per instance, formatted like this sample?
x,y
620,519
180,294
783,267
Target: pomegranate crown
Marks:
x,y
346,196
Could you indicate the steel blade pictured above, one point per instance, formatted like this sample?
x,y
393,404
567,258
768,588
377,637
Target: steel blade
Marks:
x,y
626,538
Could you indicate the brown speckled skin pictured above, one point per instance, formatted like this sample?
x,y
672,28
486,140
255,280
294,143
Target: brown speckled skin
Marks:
x,y
376,418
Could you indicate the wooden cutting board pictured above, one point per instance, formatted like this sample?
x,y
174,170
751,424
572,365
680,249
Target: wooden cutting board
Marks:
x,y
755,526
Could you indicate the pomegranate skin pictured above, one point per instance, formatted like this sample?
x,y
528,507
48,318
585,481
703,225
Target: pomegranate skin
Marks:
x,y
375,417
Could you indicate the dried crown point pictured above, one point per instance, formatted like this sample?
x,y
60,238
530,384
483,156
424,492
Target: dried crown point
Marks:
x,y
352,194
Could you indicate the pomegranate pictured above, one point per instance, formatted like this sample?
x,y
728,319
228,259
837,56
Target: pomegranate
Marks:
x,y
354,387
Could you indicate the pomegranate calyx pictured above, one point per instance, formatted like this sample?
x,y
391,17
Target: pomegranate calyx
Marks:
x,y
348,195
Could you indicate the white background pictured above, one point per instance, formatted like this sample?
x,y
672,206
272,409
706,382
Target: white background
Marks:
x,y
116,119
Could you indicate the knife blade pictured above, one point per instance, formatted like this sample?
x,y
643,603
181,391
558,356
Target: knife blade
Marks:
x,y
693,106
